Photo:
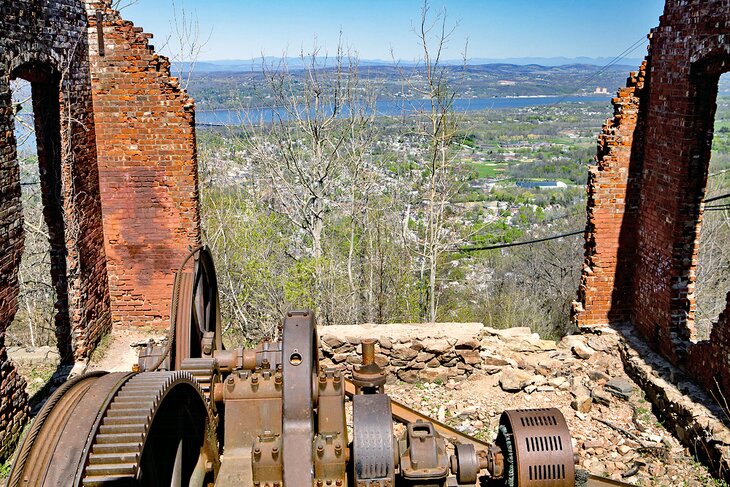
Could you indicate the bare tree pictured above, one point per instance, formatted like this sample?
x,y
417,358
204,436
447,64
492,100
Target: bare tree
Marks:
x,y
713,262
439,128
313,152
122,4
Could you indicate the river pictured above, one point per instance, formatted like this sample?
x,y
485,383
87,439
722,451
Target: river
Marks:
x,y
399,107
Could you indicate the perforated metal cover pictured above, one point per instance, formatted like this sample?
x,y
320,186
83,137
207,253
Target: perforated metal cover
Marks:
x,y
373,448
543,451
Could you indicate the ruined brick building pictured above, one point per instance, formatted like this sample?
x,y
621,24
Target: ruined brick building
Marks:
x,y
116,150
117,157
646,193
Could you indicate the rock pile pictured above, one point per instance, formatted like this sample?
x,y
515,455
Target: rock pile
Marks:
x,y
34,355
614,430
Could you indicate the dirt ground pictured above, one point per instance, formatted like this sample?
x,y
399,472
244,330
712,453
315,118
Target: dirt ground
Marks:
x,y
116,353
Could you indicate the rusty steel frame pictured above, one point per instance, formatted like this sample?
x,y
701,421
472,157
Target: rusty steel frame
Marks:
x,y
300,358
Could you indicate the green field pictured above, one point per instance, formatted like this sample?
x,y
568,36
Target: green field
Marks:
x,y
490,169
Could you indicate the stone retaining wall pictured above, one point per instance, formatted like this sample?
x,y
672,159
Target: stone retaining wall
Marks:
x,y
430,352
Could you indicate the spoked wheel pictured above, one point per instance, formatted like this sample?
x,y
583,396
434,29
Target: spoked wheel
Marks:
x,y
195,307
148,429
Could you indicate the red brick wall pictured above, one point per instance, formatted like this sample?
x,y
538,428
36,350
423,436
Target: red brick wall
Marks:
x,y
145,127
708,360
604,293
641,264
46,44
688,50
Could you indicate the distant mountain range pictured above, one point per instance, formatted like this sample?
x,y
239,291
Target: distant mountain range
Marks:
x,y
244,65
244,84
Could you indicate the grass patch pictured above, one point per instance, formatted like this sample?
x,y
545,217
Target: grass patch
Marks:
x,y
5,469
36,376
489,169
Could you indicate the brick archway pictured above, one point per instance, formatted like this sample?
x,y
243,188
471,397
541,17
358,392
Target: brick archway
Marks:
x,y
45,89
647,190
57,67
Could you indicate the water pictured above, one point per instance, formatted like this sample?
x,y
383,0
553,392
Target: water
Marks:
x,y
385,107
397,107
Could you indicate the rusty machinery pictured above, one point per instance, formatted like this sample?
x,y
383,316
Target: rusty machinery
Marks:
x,y
196,414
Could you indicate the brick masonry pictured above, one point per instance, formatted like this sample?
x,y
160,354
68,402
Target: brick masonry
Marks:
x,y
145,126
612,206
48,47
646,193
115,138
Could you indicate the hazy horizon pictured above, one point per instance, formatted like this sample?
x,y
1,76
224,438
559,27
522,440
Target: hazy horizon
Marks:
x,y
379,29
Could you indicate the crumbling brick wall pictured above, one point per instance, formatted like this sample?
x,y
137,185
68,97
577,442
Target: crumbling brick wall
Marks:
x,y
709,359
45,43
647,258
612,206
145,126
113,94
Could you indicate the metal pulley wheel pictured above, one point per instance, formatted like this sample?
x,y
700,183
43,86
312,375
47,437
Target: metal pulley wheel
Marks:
x,y
195,313
300,358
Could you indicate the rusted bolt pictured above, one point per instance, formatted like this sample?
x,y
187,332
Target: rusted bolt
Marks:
x,y
275,450
255,379
230,379
135,367
338,482
319,483
257,451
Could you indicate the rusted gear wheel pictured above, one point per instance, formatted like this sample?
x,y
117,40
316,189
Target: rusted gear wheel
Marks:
x,y
206,374
63,426
143,429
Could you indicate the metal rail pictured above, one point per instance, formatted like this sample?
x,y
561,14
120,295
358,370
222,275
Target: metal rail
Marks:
x,y
596,481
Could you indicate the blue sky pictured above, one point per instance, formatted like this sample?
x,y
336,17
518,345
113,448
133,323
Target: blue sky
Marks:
x,y
244,29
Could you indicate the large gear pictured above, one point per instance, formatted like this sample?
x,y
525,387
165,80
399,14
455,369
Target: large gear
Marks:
x,y
118,428
118,448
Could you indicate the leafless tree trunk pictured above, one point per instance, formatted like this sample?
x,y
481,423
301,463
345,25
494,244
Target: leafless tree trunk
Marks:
x,y
313,151
439,128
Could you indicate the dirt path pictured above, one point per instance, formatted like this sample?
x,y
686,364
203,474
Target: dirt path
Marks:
x,y
116,353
